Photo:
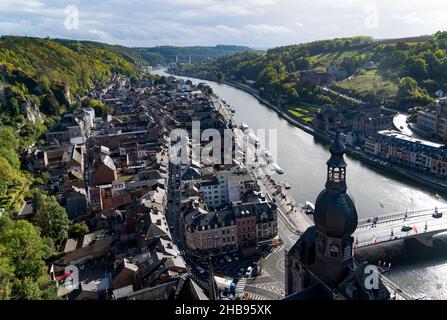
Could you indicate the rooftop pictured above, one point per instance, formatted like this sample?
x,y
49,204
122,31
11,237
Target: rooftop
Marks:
x,y
398,135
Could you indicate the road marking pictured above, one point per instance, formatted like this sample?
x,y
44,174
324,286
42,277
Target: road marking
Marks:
x,y
254,296
241,285
275,287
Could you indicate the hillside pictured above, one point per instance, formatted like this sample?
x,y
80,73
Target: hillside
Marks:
x,y
399,73
39,80
169,54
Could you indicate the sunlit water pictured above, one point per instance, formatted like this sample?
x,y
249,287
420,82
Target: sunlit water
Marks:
x,y
425,278
303,158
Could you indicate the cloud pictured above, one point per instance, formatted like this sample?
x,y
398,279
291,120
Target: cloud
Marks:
x,y
267,29
29,6
411,18
260,23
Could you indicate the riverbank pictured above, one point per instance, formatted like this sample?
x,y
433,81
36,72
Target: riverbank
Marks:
x,y
434,184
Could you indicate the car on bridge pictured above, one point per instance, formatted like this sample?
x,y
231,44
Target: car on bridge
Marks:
x,y
406,228
437,214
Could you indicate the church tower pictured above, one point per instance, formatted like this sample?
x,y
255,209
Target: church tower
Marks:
x,y
335,221
321,264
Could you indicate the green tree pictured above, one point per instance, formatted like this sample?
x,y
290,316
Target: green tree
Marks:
x,y
101,109
23,252
410,93
8,147
78,230
13,185
416,67
50,105
27,289
6,275
14,107
220,76
50,217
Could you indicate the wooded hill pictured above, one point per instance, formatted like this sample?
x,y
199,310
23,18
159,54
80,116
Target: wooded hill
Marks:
x,y
399,73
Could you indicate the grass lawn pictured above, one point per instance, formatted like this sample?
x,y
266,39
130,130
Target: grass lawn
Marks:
x,y
304,113
370,84
126,178
320,62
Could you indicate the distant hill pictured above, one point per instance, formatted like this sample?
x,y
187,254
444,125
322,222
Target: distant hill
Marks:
x,y
169,54
399,73
406,40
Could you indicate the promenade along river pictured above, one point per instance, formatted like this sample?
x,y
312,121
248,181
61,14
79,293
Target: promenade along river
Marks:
x,y
303,159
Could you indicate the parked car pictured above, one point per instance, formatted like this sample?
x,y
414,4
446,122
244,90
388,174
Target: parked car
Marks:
x,y
241,272
406,228
200,270
248,272
235,257
228,259
256,271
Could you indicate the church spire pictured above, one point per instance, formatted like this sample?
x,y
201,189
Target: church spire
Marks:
x,y
336,167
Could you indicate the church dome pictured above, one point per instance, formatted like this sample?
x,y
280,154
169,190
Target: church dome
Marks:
x,y
335,214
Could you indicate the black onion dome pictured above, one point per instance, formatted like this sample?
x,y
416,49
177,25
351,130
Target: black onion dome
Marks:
x,y
335,214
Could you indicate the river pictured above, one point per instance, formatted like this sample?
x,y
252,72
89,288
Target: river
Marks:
x,y
303,159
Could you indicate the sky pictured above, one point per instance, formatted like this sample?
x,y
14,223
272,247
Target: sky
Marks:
x,y
255,23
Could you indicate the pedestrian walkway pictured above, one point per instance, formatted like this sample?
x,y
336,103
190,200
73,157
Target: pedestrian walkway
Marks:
x,y
254,296
241,285
275,287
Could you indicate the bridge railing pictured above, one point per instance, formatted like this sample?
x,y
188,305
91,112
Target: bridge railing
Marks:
x,y
394,216
360,244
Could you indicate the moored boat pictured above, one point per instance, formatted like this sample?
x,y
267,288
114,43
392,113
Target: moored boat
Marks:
x,y
267,155
277,168
309,207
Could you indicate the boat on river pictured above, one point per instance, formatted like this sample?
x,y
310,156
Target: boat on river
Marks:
x,y
277,168
267,155
309,207
285,185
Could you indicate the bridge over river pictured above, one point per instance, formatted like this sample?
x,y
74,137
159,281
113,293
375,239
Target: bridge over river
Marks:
x,y
420,224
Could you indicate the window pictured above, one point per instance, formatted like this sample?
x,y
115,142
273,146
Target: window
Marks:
x,y
333,249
